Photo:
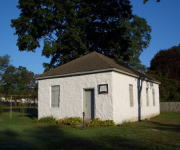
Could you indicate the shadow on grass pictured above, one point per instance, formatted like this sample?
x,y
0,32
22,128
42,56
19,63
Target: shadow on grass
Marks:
x,y
166,127
38,136
9,141
53,137
29,112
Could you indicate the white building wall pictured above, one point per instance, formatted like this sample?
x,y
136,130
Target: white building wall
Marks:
x,y
122,112
71,96
112,106
150,111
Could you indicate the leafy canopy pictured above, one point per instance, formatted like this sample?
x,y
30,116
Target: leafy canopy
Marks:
x,y
4,63
167,63
16,80
72,28
165,67
145,1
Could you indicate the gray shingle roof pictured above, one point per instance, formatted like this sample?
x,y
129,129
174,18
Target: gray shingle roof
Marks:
x,y
91,62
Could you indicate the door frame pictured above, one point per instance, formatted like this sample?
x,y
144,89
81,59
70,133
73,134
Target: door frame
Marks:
x,y
93,89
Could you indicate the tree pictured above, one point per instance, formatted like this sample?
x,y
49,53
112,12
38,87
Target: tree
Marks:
x,y
167,63
4,63
73,28
165,67
18,81
145,1
8,81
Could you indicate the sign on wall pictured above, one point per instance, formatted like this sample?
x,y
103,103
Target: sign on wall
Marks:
x,y
103,88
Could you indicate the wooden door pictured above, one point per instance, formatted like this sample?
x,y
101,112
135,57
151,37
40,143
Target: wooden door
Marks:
x,y
88,103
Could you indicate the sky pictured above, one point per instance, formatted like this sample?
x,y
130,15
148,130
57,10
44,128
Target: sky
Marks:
x,y
163,17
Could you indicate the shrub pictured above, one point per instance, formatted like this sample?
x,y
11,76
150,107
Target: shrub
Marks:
x,y
77,121
49,119
99,123
72,121
125,124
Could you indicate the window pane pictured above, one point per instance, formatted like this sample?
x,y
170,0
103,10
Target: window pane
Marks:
x,y
131,95
55,91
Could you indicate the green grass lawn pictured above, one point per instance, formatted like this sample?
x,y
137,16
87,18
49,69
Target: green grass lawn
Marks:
x,y
21,132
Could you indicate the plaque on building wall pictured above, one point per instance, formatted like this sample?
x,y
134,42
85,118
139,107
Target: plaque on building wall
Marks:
x,y
102,88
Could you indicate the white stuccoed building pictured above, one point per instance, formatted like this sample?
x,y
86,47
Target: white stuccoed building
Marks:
x,y
100,87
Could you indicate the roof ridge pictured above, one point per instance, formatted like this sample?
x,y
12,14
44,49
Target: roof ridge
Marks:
x,y
115,61
80,57
89,62
104,56
119,63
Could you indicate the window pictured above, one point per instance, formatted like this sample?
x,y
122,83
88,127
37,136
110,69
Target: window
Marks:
x,y
131,95
55,93
147,97
153,96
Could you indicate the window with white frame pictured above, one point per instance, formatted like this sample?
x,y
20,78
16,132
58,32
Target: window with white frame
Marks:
x,y
55,95
153,96
131,97
147,96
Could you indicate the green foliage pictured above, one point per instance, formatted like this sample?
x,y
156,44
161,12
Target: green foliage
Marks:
x,y
167,63
165,67
49,119
169,88
72,121
4,63
70,29
77,121
99,123
145,1
125,124
18,81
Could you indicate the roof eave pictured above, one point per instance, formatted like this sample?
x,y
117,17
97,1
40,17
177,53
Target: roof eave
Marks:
x,y
73,74
92,72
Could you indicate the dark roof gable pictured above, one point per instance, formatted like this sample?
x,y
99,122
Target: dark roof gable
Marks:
x,y
91,62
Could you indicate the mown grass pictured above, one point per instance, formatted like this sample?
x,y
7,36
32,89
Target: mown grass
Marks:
x,y
21,132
